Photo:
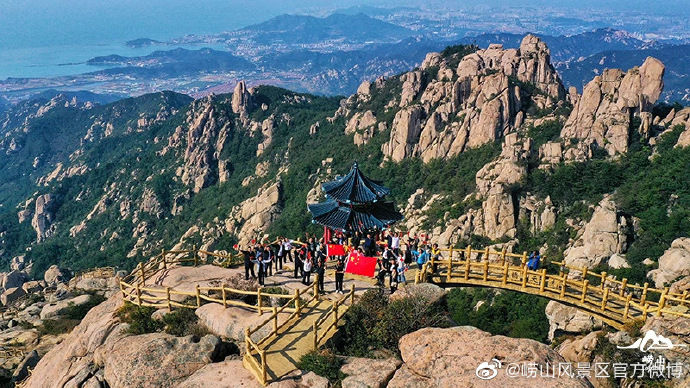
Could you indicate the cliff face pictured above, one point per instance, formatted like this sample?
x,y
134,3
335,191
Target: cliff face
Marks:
x,y
443,109
602,116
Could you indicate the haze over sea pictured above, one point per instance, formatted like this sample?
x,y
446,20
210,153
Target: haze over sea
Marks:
x,y
56,37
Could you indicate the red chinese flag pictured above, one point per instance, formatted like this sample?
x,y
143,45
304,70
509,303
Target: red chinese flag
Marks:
x,y
336,250
361,265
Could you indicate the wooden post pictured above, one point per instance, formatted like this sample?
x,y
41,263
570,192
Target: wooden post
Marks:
x,y
246,341
603,280
468,256
163,257
167,297
450,268
258,300
643,299
264,377
524,276
143,274
542,282
503,255
486,253
623,285
275,319
196,257
138,295
225,297
352,291
644,311
585,284
198,296
563,285
316,338
662,301
297,302
505,273
523,260
584,273
124,295
685,295
450,254
316,286
467,268
604,299
627,307
486,270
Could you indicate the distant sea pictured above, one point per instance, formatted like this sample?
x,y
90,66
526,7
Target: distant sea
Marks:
x,y
54,61
47,38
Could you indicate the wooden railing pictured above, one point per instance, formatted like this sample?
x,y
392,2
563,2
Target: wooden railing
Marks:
x,y
332,316
329,321
135,290
253,347
616,302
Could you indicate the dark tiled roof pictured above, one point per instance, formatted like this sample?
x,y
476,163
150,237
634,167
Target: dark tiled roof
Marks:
x,y
355,188
376,215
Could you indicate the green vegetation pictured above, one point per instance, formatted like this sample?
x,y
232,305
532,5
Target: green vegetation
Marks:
x,y
139,319
183,322
454,54
180,322
545,132
375,323
78,312
508,313
323,363
69,317
57,326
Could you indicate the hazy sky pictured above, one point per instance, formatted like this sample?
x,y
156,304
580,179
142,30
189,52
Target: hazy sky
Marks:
x,y
36,23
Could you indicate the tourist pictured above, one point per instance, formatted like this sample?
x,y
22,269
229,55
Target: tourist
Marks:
x,y
394,279
533,262
267,257
381,277
435,255
422,257
369,246
280,254
339,275
395,244
287,249
306,270
248,265
320,267
401,267
300,255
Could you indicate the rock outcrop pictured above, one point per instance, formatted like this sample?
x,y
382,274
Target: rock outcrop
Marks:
x,y
673,264
566,319
241,99
449,358
602,116
43,216
154,360
479,102
605,234
252,217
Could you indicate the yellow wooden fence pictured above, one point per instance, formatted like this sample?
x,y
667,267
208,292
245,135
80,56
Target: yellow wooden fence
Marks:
x,y
616,302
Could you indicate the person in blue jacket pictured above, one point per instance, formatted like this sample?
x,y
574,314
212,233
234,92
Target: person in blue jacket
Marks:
x,y
533,261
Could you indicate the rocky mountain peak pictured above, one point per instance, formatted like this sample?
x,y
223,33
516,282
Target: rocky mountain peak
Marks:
x,y
602,116
241,98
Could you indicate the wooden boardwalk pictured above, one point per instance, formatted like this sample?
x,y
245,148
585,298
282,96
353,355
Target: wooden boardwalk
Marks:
x,y
284,349
613,301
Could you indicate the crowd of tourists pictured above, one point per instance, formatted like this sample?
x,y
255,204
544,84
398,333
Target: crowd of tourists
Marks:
x,y
262,260
311,257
